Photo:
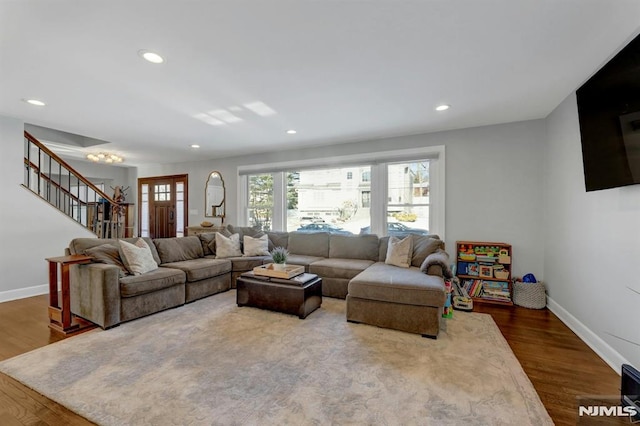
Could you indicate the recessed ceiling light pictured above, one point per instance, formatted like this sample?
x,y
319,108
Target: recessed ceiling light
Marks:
x,y
34,102
442,107
291,132
151,56
195,146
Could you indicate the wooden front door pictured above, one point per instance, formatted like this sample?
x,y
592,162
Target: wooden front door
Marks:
x,y
163,206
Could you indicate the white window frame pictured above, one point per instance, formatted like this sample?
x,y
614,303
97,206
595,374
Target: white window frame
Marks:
x,y
378,162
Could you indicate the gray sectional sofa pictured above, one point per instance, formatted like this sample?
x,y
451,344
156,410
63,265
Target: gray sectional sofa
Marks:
x,y
101,294
352,268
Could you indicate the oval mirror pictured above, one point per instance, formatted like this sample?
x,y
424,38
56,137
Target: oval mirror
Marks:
x,y
214,195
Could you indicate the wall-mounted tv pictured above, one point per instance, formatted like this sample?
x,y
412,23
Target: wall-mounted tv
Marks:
x,y
609,112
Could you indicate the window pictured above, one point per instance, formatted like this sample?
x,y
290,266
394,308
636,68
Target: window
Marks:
x,y
180,209
144,210
366,198
261,201
314,196
162,193
399,192
409,184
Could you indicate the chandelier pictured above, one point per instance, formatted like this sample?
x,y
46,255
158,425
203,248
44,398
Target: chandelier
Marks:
x,y
106,157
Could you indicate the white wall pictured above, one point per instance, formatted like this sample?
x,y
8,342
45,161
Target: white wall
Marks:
x,y
493,182
30,229
592,247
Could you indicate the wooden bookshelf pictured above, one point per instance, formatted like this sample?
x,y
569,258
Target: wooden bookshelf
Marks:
x,y
484,270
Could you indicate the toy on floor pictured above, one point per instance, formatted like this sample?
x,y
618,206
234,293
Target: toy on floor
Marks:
x,y
447,311
461,300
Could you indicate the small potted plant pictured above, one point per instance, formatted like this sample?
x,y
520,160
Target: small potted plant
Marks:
x,y
279,256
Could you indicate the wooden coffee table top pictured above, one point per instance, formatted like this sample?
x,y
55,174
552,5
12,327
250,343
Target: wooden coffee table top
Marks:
x,y
298,280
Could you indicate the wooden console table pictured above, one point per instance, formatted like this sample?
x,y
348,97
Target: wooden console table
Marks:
x,y
60,317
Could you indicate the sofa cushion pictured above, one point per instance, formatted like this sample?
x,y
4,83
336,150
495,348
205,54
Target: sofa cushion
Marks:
x,y
339,268
201,269
79,245
244,263
243,231
109,254
387,283
178,249
278,239
137,257
135,285
423,246
383,246
302,260
353,247
309,244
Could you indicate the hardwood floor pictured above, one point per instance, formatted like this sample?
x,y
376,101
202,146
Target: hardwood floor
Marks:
x,y
558,363
24,328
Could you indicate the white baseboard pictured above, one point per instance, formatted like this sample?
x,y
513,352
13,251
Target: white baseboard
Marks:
x,y
599,346
21,293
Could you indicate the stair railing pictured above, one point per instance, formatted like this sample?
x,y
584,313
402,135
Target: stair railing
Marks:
x,y
55,181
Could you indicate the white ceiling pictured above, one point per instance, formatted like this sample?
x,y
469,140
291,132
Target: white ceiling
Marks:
x,y
336,71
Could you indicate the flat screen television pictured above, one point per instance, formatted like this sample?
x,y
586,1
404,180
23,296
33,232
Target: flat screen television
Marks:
x,y
630,390
609,113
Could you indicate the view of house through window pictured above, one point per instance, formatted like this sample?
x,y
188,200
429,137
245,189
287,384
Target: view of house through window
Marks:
x,y
341,200
331,200
408,198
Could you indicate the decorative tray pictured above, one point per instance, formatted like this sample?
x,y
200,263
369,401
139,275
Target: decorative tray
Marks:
x,y
288,272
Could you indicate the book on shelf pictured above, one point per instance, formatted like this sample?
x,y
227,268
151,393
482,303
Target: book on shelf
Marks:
x,y
496,290
497,299
477,288
490,290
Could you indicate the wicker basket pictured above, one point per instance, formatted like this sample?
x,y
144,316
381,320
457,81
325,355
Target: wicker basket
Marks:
x,y
501,275
529,295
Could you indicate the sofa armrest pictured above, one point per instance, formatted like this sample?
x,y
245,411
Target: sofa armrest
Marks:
x,y
435,270
95,293
437,263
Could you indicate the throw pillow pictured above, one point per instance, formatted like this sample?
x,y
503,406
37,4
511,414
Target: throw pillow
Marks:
x,y
212,243
256,246
109,254
207,238
137,257
399,251
227,247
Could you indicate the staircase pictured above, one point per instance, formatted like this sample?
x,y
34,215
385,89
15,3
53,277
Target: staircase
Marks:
x,y
52,179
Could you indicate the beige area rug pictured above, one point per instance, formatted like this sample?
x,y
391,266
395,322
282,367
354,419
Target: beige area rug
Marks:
x,y
211,362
